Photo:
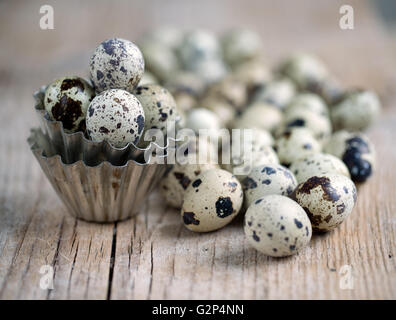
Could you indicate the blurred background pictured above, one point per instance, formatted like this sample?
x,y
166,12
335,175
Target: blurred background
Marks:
x,y
358,57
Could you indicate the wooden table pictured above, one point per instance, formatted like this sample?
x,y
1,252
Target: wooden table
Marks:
x,y
153,256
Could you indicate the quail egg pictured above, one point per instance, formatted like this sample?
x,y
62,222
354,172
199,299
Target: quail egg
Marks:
x,y
277,226
158,105
197,46
241,45
308,102
159,59
305,70
355,150
223,109
211,201
260,115
242,163
268,179
201,118
357,111
328,199
176,181
147,78
277,92
115,116
253,74
319,125
296,143
67,100
116,64
318,163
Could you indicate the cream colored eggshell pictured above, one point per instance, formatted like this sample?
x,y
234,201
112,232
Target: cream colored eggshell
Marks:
x,y
115,116
211,201
159,106
67,100
320,125
268,179
277,226
116,64
176,181
278,92
260,115
308,101
328,199
316,164
296,143
357,111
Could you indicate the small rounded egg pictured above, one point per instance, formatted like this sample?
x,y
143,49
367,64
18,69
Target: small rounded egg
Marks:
x,y
260,115
308,102
328,199
278,92
201,118
241,45
357,111
116,64
355,150
211,201
277,226
67,100
253,74
320,125
198,45
158,105
176,181
305,70
115,116
268,179
318,163
296,143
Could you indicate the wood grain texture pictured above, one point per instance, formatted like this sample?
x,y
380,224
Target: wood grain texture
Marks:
x,y
153,256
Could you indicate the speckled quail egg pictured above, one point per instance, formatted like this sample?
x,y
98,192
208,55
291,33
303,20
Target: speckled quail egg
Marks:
x,y
305,70
241,164
296,143
308,102
188,82
159,59
116,64
196,149
329,89
209,70
224,110
268,179
67,100
320,125
165,35
115,116
158,105
147,78
241,45
328,199
277,92
253,74
318,163
260,115
230,90
211,201
176,181
277,226
198,45
357,111
201,118
355,150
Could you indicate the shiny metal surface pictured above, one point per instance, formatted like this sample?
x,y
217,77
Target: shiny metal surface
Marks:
x,y
101,193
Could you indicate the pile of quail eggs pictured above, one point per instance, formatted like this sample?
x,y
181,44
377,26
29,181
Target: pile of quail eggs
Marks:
x,y
308,145
112,105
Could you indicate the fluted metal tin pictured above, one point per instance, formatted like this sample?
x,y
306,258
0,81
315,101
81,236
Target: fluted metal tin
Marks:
x,y
73,147
100,193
